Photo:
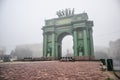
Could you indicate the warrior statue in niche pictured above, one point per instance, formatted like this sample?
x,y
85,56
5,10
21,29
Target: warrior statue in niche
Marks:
x,y
80,50
49,51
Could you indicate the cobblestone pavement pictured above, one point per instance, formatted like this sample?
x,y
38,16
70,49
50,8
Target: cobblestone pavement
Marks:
x,y
51,70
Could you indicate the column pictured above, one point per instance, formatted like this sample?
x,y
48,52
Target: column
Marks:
x,y
59,50
85,43
91,43
75,43
56,49
44,44
53,44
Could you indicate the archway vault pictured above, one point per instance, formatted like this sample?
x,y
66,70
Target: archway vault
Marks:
x,y
62,35
76,25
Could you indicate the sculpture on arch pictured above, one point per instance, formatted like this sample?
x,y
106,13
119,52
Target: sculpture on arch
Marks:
x,y
64,13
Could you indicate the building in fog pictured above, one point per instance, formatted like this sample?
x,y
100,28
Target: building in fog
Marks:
x,y
101,52
115,48
2,52
27,50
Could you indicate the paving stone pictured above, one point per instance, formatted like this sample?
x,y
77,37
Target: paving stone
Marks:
x,y
52,70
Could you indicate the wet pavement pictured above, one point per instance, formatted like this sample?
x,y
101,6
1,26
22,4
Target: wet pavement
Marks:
x,y
51,70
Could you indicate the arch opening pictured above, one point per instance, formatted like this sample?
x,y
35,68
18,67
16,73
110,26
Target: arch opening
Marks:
x,y
67,46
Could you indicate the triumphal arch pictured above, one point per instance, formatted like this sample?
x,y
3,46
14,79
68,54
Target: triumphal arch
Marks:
x,y
68,23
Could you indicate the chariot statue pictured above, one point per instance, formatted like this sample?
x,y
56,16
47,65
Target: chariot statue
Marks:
x,y
66,12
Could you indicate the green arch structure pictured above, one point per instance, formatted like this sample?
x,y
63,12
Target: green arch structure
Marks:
x,y
76,25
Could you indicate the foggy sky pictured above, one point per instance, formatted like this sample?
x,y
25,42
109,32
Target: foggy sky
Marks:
x,y
21,20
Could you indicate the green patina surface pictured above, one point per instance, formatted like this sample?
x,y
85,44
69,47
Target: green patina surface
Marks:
x,y
76,25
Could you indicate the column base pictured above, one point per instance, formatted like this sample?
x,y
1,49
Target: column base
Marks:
x,y
84,58
50,58
76,58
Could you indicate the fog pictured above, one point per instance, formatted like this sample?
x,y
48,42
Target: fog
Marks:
x,y
21,20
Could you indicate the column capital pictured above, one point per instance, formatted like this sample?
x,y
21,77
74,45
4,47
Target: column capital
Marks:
x,y
50,32
80,28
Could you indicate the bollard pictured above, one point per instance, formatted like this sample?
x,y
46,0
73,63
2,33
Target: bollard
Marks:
x,y
109,64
